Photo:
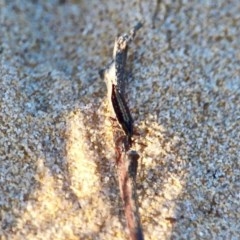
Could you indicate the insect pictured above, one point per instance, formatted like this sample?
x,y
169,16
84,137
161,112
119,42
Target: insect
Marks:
x,y
122,112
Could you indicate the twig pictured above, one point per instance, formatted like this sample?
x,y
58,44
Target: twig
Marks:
x,y
156,13
127,162
127,159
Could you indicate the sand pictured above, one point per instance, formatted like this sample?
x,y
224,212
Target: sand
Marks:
x,y
58,178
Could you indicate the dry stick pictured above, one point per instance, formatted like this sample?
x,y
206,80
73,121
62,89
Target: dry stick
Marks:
x,y
127,162
127,159
155,13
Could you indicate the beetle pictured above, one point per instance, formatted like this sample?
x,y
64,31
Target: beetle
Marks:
x,y
122,111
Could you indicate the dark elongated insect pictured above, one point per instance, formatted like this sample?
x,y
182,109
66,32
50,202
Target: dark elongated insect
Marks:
x,y
122,111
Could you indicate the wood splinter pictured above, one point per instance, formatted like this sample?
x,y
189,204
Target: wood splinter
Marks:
x,y
114,76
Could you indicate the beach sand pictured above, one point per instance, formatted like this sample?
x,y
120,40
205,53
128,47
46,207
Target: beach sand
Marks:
x,y
58,178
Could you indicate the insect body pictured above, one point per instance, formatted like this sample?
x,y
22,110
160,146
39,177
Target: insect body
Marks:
x,y
122,111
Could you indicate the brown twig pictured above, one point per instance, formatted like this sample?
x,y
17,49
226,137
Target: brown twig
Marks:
x,y
127,159
127,163
158,2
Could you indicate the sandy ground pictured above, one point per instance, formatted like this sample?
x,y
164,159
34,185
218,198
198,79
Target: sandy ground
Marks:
x,y
57,172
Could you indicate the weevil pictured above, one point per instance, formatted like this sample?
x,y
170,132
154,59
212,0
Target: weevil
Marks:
x,y
122,111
